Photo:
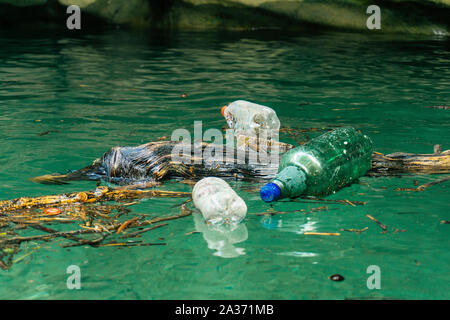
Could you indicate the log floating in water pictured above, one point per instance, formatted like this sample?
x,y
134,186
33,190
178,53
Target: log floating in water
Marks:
x,y
400,162
153,162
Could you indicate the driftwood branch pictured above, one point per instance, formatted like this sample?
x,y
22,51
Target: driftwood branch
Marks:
x,y
399,162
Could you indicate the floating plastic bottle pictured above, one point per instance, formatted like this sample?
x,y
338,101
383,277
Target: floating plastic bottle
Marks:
x,y
218,202
321,166
251,119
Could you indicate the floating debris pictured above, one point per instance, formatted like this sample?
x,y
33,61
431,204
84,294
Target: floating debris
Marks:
x,y
153,162
355,230
100,194
272,212
137,233
124,225
52,211
47,132
336,277
424,186
400,162
309,199
438,107
321,234
382,226
92,221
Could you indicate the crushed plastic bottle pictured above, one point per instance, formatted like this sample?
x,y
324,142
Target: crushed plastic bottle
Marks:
x,y
217,202
251,119
321,166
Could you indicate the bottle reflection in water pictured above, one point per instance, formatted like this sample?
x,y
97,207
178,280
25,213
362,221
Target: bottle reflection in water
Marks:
x,y
271,222
222,238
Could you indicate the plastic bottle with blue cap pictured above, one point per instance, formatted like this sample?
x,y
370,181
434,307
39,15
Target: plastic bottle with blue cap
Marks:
x,y
323,165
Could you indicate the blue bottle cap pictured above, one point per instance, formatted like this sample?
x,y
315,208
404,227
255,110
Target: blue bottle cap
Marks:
x,y
270,192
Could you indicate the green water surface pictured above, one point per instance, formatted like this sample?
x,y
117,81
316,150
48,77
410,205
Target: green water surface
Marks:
x,y
95,91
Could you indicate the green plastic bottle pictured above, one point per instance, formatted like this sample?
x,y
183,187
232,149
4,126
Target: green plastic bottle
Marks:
x,y
321,166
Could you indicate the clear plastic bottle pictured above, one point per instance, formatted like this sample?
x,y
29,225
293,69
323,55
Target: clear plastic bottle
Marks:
x,y
321,166
251,119
218,202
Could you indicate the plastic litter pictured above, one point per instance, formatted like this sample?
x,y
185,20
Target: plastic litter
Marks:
x,y
252,120
218,202
321,166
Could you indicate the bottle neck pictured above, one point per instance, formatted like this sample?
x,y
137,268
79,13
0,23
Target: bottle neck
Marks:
x,y
291,181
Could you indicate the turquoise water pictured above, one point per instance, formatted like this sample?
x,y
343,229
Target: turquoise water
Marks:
x,y
95,91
